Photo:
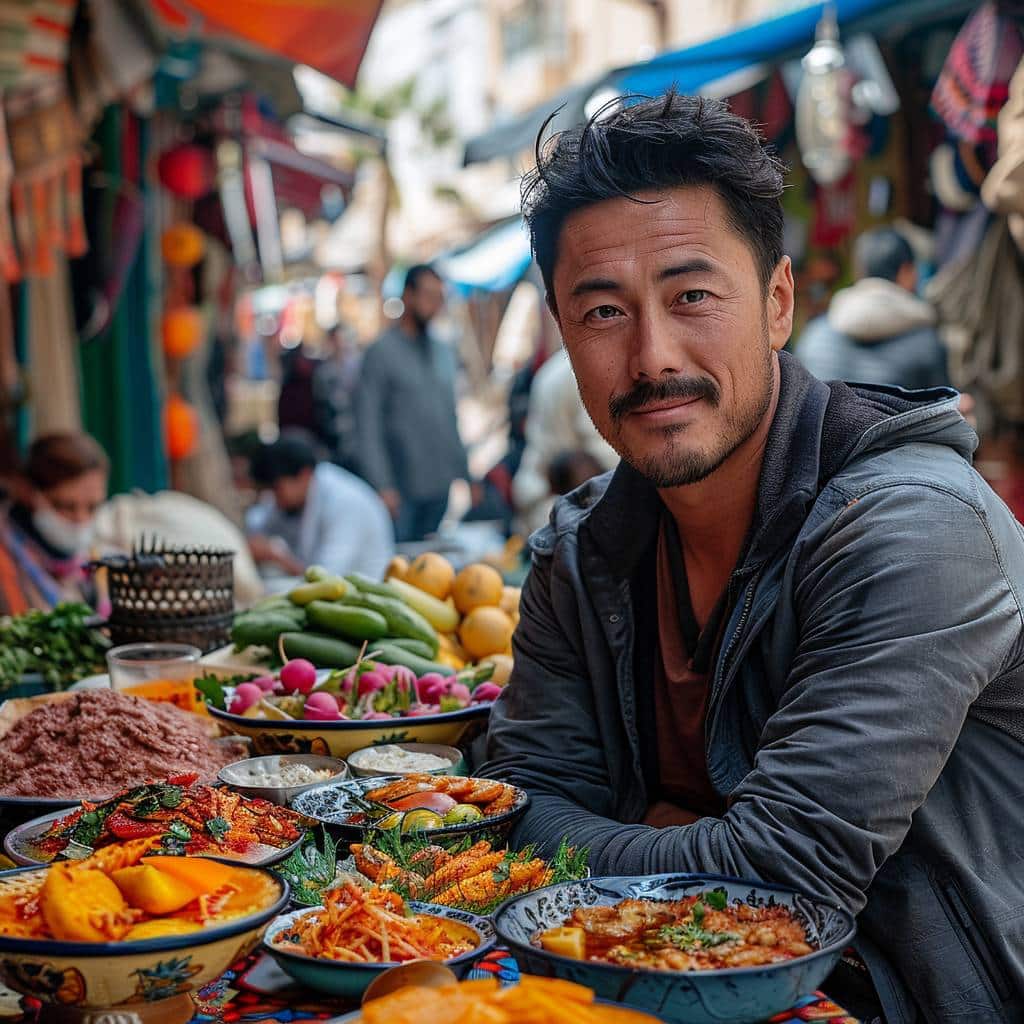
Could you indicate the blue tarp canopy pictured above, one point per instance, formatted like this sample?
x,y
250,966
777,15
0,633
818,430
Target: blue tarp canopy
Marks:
x,y
492,262
693,69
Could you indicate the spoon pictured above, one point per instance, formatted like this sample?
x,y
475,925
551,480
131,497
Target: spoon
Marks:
x,y
422,973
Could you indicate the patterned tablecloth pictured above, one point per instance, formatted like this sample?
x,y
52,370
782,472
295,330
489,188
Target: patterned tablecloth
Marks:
x,y
256,991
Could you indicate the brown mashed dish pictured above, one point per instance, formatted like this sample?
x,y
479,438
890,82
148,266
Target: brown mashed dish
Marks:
x,y
98,742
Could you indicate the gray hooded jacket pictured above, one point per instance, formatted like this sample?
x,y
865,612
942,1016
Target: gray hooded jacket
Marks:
x,y
876,332
866,716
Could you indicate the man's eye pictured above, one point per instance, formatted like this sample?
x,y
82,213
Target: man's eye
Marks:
x,y
692,296
604,312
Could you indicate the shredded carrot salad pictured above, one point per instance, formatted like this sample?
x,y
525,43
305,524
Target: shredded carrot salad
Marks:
x,y
373,926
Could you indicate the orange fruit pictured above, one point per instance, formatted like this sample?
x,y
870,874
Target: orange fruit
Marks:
x,y
486,631
509,602
397,568
502,668
475,586
431,573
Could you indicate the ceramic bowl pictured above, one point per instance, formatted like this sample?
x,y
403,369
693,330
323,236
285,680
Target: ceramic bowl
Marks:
x,y
456,762
732,996
339,739
238,775
84,976
332,804
349,980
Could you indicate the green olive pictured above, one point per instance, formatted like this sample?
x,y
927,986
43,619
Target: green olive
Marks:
x,y
421,820
389,821
463,814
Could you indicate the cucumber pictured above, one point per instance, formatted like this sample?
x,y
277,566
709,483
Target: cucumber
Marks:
x,y
392,655
401,619
332,589
417,647
323,651
347,621
368,585
316,574
261,629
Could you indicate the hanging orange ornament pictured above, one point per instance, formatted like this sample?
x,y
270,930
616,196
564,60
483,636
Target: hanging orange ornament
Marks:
x,y
181,427
182,245
182,331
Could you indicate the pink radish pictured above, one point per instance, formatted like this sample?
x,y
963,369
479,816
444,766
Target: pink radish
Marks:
x,y
403,678
486,692
321,707
265,683
246,695
460,691
298,676
431,687
371,682
376,716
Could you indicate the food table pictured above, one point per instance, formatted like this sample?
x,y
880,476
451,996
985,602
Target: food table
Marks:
x,y
414,661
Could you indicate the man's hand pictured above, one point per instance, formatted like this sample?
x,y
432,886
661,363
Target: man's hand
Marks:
x,y
274,551
393,500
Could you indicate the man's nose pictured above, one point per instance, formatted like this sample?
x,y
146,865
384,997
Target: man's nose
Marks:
x,y
656,352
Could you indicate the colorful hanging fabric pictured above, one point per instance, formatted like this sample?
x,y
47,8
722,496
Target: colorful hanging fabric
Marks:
x,y
975,80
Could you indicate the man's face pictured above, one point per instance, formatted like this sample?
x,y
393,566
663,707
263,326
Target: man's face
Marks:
x,y
290,492
426,299
670,332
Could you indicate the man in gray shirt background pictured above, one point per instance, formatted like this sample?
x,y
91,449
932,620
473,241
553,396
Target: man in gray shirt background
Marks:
x,y
410,449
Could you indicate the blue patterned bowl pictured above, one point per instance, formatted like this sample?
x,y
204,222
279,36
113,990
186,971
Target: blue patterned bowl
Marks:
x,y
736,995
349,980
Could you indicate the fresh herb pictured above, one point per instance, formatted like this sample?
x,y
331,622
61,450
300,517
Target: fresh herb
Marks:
x,y
569,863
212,690
310,870
89,826
218,828
61,645
716,899
179,830
692,937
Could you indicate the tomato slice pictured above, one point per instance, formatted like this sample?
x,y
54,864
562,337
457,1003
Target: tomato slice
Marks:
x,y
440,803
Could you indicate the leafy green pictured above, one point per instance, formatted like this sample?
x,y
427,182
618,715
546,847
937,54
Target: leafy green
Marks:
x,y
212,690
691,936
179,830
218,828
59,645
716,899
310,870
89,826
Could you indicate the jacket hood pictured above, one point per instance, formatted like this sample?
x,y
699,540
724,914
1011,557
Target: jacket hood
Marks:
x,y
818,429
875,310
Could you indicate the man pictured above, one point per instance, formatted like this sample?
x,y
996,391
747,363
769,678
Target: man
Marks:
x,y
405,413
877,331
787,628
321,514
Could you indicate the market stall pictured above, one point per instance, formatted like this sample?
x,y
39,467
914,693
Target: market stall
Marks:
x,y
275,827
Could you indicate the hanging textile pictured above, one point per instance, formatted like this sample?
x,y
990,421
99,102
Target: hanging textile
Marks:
x,y
975,80
121,406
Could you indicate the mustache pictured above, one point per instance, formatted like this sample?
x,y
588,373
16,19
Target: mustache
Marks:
x,y
647,392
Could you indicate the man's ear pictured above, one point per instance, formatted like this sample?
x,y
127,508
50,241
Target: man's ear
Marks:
x,y
781,298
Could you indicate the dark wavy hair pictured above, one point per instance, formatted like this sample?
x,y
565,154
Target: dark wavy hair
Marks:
x,y
666,142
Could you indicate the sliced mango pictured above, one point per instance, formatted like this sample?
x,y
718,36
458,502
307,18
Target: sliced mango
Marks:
x,y
152,891
161,929
82,905
202,876
566,941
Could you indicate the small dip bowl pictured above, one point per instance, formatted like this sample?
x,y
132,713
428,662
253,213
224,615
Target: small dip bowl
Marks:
x,y
245,776
455,764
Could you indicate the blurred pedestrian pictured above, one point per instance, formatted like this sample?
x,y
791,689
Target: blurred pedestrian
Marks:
x,y
572,469
334,384
409,443
556,422
295,400
47,530
318,514
878,331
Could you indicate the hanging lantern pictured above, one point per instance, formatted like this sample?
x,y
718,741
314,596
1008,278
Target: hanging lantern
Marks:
x,y
181,428
182,245
187,170
182,331
823,106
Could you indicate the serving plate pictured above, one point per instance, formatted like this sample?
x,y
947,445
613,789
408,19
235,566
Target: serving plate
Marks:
x,y
736,995
333,802
19,845
340,978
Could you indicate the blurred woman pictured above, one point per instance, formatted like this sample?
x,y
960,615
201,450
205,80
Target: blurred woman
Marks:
x,y
46,531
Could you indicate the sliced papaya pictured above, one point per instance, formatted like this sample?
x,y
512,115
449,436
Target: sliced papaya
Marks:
x,y
161,928
202,876
152,891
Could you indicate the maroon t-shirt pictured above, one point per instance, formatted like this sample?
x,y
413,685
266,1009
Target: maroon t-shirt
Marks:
x,y
681,690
